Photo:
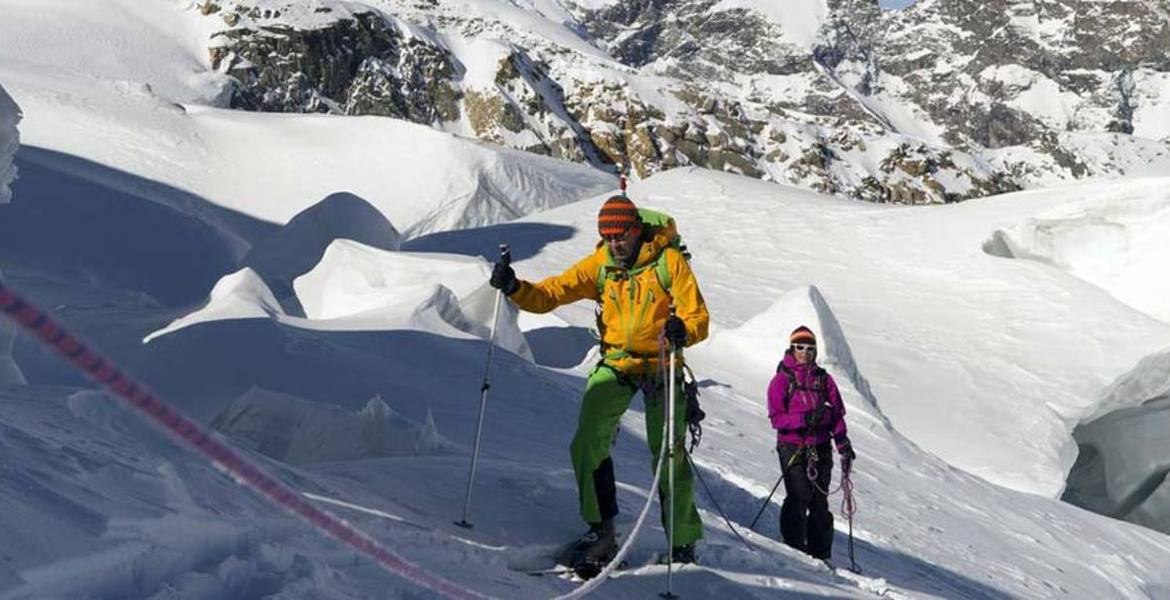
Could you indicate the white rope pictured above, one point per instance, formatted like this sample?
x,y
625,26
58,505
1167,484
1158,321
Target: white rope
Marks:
x,y
617,559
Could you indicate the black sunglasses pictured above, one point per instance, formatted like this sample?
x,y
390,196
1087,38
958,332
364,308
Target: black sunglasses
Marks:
x,y
613,237
804,347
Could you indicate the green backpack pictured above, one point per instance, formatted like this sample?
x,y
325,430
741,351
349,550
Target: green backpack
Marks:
x,y
657,220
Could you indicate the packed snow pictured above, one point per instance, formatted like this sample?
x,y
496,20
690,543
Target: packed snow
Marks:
x,y
313,288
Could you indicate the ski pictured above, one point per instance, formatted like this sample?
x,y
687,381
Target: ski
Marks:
x,y
577,573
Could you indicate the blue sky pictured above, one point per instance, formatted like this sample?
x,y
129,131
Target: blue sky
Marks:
x,y
895,3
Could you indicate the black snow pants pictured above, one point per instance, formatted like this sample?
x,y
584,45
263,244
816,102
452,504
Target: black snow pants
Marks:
x,y
805,521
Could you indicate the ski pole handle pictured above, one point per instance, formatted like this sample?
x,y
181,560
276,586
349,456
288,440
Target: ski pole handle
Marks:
x,y
505,254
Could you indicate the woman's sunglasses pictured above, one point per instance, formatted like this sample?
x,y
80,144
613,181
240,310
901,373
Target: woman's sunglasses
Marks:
x,y
804,347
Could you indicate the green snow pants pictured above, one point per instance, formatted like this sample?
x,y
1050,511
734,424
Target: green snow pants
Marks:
x,y
606,399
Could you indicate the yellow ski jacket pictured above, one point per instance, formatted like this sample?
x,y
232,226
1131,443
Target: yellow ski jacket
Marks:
x,y
634,303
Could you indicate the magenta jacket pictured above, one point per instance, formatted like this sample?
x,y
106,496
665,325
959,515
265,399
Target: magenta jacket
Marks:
x,y
790,424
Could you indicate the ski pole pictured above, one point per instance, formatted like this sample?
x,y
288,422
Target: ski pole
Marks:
x,y
766,501
669,595
505,258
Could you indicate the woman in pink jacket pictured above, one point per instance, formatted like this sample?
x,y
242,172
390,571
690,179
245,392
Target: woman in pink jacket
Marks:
x,y
807,413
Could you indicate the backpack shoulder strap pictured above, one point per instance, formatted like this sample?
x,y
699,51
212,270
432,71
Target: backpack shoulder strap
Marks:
x,y
790,375
661,270
821,377
603,273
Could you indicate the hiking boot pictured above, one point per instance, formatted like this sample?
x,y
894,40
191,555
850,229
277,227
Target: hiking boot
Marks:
x,y
597,546
683,554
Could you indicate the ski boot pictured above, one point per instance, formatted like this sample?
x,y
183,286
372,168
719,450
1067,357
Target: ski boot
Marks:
x,y
594,550
683,554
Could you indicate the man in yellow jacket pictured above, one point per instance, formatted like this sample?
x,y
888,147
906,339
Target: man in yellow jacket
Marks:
x,y
635,274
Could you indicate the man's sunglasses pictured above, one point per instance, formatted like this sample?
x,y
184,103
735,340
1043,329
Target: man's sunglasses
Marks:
x,y
613,237
804,347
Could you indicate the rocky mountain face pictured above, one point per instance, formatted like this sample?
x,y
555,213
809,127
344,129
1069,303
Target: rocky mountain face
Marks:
x,y
948,100
360,63
1030,73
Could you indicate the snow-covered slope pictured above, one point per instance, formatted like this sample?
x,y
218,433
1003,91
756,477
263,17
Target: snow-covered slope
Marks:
x,y
903,356
126,110
198,247
929,293
923,327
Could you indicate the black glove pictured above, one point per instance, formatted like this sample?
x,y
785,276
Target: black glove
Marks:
x,y
847,456
504,278
675,331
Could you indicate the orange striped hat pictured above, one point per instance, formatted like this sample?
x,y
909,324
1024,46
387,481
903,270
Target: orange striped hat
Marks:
x,y
617,216
802,335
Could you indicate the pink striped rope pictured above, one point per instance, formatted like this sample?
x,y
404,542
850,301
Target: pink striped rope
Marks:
x,y
244,472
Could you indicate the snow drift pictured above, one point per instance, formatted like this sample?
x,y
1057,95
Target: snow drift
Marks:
x,y
240,295
293,249
1120,246
359,287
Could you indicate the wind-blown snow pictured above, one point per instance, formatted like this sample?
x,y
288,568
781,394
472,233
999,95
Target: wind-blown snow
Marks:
x,y
357,287
361,288
294,249
9,142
